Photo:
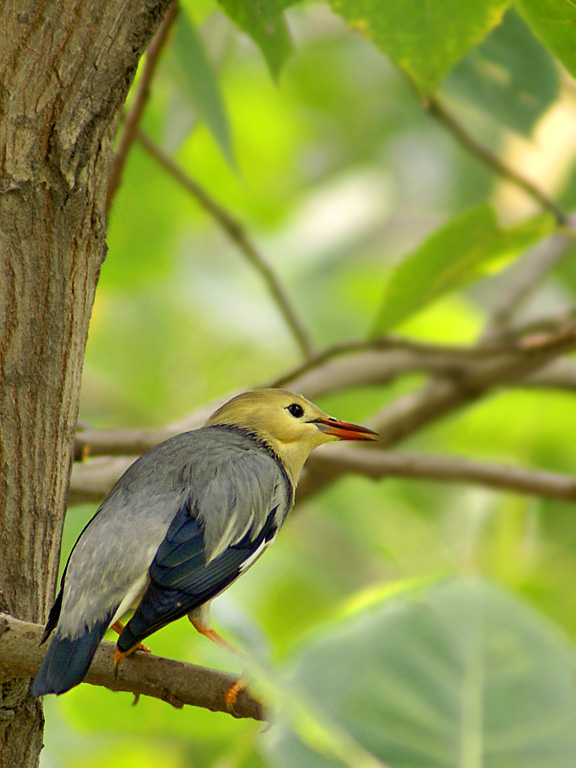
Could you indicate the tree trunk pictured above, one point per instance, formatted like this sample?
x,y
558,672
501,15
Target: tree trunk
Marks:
x,y
65,68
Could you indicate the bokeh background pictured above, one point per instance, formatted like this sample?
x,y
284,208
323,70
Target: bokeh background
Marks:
x,y
337,171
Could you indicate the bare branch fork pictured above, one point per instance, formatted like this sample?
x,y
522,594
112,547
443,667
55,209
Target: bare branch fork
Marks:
x,y
175,682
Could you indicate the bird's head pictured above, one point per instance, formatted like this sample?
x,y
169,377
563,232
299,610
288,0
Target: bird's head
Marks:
x,y
290,424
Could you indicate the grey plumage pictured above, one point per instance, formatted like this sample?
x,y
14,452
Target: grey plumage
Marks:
x,y
181,525
221,478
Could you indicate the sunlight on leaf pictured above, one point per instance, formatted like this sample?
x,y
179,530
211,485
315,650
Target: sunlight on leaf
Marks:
x,y
466,249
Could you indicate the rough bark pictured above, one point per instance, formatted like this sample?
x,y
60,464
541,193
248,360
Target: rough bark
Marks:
x,y
65,68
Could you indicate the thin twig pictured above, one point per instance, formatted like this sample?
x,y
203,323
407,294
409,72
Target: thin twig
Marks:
x,y
523,279
175,682
138,105
239,237
437,110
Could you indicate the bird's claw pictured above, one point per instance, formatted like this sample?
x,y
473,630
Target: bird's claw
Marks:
x,y
233,692
119,656
118,659
142,647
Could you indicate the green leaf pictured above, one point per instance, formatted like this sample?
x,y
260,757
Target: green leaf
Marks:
x,y
554,22
425,39
461,674
264,21
464,250
195,78
510,75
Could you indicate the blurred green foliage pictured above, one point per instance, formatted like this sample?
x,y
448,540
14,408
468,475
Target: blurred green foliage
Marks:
x,y
455,674
338,173
552,21
470,246
510,75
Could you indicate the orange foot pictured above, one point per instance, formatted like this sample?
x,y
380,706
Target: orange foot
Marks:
x,y
119,656
233,692
118,627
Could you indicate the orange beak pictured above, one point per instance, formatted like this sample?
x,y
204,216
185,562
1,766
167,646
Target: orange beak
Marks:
x,y
343,430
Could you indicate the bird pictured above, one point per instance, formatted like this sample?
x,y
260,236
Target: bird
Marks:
x,y
180,526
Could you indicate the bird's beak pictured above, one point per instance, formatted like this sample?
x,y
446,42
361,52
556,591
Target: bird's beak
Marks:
x,y
343,430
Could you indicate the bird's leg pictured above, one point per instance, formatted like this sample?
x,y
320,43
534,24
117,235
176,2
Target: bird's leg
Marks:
x,y
118,627
119,656
236,689
211,634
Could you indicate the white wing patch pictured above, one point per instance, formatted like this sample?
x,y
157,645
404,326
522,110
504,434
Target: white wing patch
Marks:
x,y
255,555
231,536
132,597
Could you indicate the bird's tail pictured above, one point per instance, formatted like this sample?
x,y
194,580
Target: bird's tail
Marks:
x,y
67,660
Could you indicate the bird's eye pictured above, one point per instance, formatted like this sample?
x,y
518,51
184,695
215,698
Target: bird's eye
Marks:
x,y
295,410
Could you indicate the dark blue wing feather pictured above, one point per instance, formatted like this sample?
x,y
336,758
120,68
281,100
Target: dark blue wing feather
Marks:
x,y
182,580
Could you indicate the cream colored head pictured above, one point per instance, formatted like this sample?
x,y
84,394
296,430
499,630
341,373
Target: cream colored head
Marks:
x,y
290,424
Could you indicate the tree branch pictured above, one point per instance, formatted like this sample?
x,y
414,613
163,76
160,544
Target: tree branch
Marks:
x,y
482,153
238,235
175,682
90,481
423,356
339,367
325,466
141,96
380,464
378,361
560,374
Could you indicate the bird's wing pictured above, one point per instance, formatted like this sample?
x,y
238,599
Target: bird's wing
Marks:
x,y
222,529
